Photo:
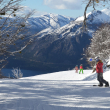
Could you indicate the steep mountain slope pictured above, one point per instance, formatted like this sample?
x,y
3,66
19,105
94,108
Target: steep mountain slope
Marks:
x,y
62,48
97,16
50,21
47,21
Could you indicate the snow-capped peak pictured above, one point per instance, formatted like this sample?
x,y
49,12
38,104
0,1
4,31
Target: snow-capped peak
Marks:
x,y
50,21
56,20
97,16
106,11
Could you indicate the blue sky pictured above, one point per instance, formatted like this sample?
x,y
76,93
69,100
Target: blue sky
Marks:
x,y
70,8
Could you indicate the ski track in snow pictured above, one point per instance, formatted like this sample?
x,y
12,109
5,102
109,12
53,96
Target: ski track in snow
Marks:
x,y
36,93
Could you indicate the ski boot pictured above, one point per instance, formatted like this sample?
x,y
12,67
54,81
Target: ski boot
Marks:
x,y
107,84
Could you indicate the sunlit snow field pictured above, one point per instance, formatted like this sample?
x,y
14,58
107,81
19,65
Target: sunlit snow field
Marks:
x,y
64,90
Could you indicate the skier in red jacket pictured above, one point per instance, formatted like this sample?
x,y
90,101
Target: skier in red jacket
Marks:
x,y
99,70
81,69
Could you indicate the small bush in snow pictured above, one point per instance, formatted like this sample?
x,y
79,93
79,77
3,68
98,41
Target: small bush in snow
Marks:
x,y
17,73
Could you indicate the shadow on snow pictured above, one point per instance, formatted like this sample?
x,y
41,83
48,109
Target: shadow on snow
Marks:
x,y
52,95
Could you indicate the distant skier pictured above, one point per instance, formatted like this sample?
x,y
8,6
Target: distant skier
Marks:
x,y
81,69
76,68
99,70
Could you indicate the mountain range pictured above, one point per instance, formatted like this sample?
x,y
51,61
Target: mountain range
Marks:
x,y
59,42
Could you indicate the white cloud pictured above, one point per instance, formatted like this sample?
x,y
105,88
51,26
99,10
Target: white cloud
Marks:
x,y
39,13
64,4
25,10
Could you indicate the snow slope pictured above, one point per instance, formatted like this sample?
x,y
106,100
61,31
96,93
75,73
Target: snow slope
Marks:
x,y
65,90
51,21
97,16
63,75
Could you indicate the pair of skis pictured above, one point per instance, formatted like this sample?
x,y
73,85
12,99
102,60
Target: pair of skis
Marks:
x,y
100,86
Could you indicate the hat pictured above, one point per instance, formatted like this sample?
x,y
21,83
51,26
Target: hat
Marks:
x,y
97,59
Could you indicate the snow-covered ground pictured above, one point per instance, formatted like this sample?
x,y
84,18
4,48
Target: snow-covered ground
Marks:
x,y
64,90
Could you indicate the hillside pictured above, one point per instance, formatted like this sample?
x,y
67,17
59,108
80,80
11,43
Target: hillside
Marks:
x,y
48,22
64,90
60,47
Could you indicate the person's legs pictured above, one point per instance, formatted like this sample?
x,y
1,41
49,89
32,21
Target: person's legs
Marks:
x,y
80,71
101,80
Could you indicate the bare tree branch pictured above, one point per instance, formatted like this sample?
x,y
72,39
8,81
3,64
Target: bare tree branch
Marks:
x,y
94,4
13,30
84,22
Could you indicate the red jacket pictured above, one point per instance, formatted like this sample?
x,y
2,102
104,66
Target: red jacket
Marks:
x,y
99,67
76,68
81,67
